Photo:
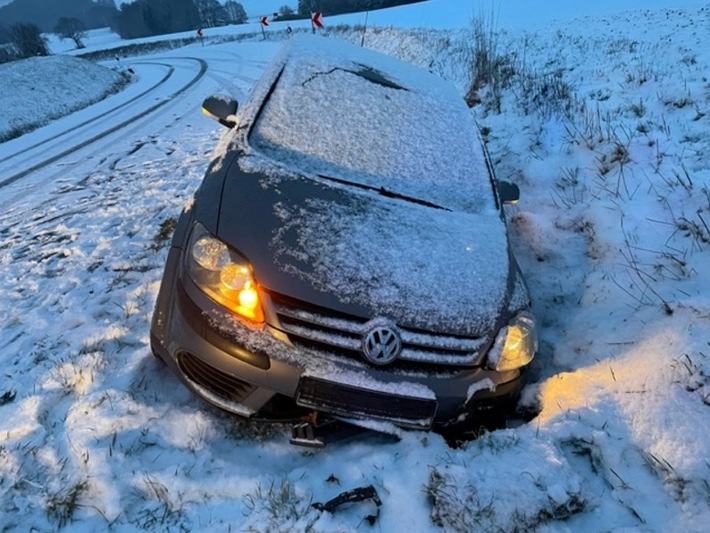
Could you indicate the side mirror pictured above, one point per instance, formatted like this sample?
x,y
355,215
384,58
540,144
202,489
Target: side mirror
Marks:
x,y
509,193
221,108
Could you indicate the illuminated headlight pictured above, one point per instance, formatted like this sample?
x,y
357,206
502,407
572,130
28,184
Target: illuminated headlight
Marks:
x,y
515,345
223,275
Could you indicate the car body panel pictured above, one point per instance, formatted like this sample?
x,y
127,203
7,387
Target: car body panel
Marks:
x,y
363,254
288,364
416,245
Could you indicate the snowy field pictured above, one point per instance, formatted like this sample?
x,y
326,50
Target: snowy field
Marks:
x,y
603,121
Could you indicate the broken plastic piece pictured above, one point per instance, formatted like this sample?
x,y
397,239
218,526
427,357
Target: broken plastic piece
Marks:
x,y
350,496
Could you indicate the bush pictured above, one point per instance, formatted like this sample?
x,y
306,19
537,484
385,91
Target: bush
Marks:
x,y
28,40
490,69
7,53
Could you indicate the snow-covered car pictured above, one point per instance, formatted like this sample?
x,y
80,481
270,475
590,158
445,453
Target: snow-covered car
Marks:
x,y
346,256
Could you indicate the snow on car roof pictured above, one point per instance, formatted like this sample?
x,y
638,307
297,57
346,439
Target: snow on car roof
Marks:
x,y
342,111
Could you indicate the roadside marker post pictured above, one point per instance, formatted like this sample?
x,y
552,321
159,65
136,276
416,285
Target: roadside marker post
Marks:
x,y
263,21
315,20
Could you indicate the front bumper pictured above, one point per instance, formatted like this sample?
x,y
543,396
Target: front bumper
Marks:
x,y
259,373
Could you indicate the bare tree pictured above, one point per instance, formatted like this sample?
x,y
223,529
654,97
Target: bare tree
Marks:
x,y
71,28
28,40
235,12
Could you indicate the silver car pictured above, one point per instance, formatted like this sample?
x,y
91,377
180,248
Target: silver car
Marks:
x,y
345,260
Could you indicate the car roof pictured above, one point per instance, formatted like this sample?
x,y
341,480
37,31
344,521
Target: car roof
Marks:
x,y
332,109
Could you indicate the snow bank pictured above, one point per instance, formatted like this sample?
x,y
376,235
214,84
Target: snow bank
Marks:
x,y
36,90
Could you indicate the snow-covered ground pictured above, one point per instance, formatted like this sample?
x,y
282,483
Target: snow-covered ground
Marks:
x,y
604,125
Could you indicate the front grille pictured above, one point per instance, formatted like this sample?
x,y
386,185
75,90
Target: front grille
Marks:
x,y
348,401
219,383
322,329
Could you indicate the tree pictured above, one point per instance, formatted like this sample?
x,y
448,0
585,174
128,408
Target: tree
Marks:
x,y
4,35
235,12
130,23
71,28
101,13
285,11
183,14
334,7
307,7
212,13
28,40
156,17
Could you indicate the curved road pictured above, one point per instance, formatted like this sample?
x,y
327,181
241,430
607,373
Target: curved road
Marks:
x,y
48,150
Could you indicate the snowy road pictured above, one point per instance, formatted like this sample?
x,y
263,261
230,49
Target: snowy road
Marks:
x,y
166,87
54,144
105,174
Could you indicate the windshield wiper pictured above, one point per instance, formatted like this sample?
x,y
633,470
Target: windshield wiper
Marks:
x,y
384,192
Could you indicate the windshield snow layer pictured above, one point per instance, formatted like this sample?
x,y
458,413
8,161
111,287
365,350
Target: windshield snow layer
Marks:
x,y
352,114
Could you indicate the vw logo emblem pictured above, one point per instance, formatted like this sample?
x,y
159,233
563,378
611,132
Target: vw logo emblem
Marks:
x,y
382,345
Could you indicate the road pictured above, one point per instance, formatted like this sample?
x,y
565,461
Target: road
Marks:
x,y
168,92
83,200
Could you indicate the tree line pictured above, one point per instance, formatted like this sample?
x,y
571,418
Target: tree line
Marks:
x,y
155,17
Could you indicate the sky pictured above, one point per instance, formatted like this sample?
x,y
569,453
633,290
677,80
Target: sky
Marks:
x,y
605,127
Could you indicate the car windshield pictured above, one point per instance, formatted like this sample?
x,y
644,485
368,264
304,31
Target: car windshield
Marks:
x,y
355,116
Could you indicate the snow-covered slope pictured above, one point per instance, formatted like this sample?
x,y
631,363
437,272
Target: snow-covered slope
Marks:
x,y
40,89
603,122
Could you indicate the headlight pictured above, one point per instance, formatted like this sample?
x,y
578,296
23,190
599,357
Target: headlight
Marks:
x,y
515,345
223,275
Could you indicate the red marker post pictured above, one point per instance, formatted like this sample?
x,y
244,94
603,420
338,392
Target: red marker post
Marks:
x,y
315,20
264,21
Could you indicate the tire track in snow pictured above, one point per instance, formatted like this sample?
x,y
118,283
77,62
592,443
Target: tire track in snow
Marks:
x,y
110,159
171,70
202,71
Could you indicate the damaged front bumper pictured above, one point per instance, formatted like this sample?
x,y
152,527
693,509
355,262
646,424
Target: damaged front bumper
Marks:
x,y
260,374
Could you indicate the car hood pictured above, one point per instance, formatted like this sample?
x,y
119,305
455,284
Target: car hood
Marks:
x,y
362,253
